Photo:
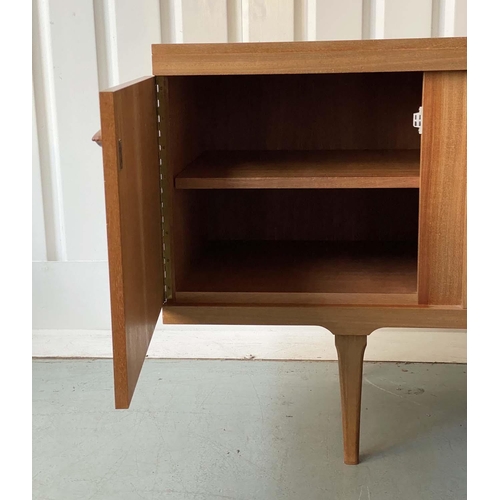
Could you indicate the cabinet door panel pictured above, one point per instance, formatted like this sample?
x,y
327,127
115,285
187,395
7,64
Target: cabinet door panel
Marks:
x,y
133,210
441,270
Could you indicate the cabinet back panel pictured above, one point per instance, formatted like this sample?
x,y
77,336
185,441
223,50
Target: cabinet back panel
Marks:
x,y
309,112
310,214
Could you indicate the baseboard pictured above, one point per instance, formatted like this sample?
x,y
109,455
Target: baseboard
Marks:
x,y
260,343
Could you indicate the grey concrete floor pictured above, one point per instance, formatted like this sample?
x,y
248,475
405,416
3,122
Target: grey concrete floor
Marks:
x,y
246,430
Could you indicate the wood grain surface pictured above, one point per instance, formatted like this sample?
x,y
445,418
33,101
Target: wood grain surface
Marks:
x,y
362,111
302,169
443,189
350,350
132,188
426,54
296,298
181,136
309,214
339,320
328,272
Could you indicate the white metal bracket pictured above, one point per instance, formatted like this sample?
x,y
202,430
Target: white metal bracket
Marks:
x,y
417,120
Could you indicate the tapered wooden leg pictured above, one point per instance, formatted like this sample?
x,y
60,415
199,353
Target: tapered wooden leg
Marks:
x,y
350,349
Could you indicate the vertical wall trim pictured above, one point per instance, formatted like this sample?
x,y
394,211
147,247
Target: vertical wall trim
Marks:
x,y
234,18
447,18
311,19
46,111
39,243
167,22
460,18
101,38
299,20
304,20
178,23
435,20
366,24
377,22
245,20
111,32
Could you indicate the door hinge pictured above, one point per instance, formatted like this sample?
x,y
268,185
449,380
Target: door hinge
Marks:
x,y
164,192
417,120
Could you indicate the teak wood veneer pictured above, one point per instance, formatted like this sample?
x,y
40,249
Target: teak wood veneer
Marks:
x,y
285,184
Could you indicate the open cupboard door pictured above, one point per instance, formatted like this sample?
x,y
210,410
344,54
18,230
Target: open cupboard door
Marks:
x,y
133,212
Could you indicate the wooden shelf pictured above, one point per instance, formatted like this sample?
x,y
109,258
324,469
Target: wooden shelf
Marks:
x,y
302,169
302,272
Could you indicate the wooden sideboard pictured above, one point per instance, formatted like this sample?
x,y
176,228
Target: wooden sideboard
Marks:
x,y
286,184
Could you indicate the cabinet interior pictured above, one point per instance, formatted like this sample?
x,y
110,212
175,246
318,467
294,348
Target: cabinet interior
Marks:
x,y
294,188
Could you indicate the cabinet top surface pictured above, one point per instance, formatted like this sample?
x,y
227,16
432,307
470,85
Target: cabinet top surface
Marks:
x,y
354,56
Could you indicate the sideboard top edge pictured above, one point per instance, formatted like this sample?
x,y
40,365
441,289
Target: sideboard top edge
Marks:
x,y
353,56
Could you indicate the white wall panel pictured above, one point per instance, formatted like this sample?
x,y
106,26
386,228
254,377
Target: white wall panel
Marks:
x,y
136,25
47,138
76,89
70,295
449,18
80,47
339,20
74,168
205,21
407,18
270,21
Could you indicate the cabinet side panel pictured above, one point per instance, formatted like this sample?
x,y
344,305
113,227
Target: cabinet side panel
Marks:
x,y
132,186
442,189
